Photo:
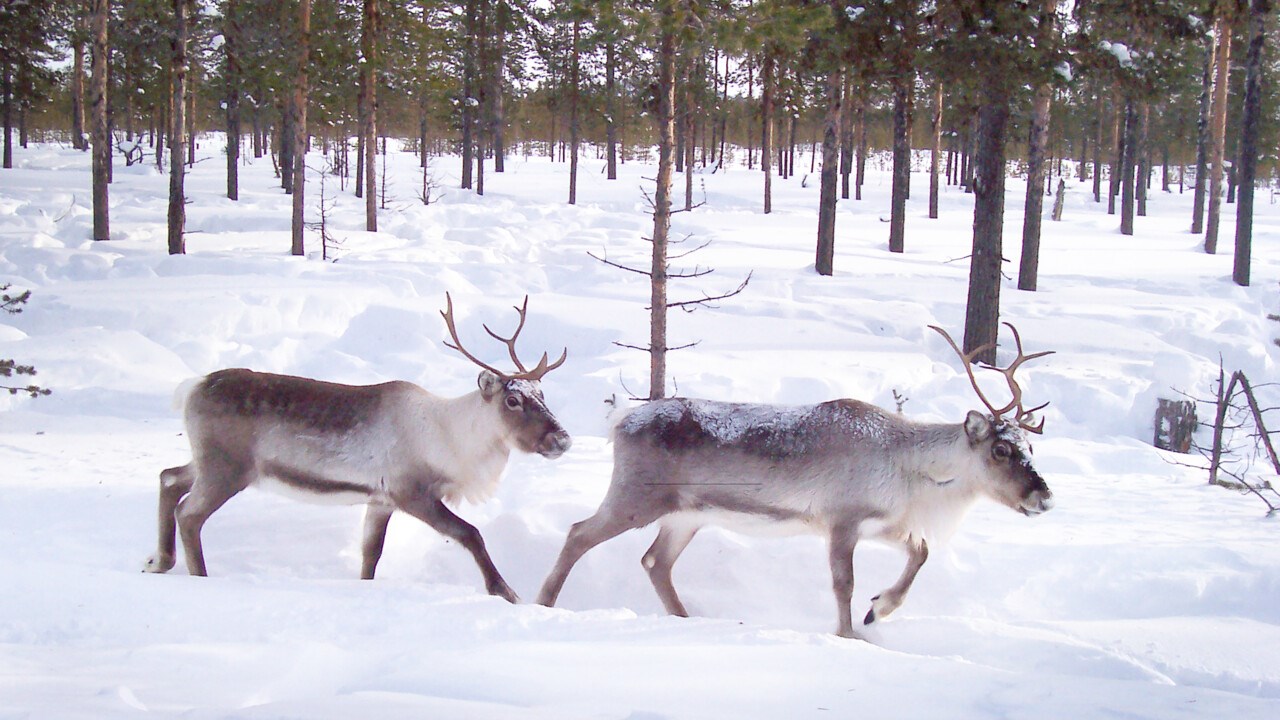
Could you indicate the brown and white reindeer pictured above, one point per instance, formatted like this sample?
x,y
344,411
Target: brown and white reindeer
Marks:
x,y
394,446
844,469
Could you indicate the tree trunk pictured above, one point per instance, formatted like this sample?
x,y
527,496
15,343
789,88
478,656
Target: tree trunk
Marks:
x,y
846,136
1128,160
77,85
825,261
468,89
935,157
298,137
1144,158
902,88
1117,158
690,143
497,117
1218,130
860,144
1202,137
231,45
611,108
1037,143
177,169
766,134
574,126
6,96
1250,122
666,61
369,110
101,10
982,311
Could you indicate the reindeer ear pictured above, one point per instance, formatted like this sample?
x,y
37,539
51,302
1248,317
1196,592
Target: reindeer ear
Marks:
x,y
490,384
977,426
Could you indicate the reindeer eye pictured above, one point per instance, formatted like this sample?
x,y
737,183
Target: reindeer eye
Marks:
x,y
1002,451
513,402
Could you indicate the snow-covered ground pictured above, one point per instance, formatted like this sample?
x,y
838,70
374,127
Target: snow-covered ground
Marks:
x,y
1145,593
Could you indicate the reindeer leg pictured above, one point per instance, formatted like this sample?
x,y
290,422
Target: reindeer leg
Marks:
x,y
662,555
376,517
219,481
174,484
583,536
889,600
433,512
841,543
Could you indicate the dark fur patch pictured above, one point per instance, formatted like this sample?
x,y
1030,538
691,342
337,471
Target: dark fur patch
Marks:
x,y
311,403
312,483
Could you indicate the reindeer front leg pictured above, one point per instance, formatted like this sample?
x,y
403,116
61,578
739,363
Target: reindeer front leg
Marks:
x,y
376,517
842,541
889,600
432,511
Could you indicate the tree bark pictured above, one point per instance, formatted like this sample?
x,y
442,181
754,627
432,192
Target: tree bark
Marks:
x,y
846,136
935,157
1128,160
766,135
825,260
178,129
1202,137
1251,120
231,45
902,88
611,108
666,61
1218,129
468,89
299,134
574,126
982,311
77,84
6,99
101,10
369,29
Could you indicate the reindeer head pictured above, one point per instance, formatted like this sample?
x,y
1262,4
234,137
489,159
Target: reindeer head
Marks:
x,y
517,397
1001,442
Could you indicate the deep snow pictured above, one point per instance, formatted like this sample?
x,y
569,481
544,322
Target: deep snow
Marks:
x,y
1144,593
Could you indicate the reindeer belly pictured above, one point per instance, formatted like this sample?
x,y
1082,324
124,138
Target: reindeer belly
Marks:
x,y
746,523
308,469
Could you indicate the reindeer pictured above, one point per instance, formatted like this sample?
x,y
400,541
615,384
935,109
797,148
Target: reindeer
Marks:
x,y
844,469
394,446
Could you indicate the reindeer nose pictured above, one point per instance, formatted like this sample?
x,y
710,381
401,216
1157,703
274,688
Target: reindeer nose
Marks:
x,y
555,444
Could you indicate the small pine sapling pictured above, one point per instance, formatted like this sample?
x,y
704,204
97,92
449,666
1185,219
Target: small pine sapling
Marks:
x,y
12,304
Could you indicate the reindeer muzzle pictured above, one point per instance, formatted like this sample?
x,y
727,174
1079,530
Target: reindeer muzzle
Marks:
x,y
554,444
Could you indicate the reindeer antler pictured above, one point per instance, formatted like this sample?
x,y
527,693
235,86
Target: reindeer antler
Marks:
x,y
1022,416
539,370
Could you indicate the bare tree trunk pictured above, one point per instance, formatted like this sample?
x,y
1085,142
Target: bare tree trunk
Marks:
x,y
860,144
497,118
1252,118
766,135
299,126
101,10
1144,158
468,89
574,127
846,136
825,261
177,170
982,311
231,45
77,84
369,110
1202,137
935,157
611,108
1037,143
1127,162
1117,158
1218,129
666,61
6,97
902,89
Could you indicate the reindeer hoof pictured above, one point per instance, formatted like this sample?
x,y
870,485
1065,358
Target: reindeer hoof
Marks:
x,y
870,618
158,564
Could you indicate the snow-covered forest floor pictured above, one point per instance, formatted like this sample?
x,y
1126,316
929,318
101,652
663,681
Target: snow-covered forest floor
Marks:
x,y
1144,593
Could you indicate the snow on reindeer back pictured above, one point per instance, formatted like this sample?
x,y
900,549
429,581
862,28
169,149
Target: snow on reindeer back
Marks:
x,y
776,431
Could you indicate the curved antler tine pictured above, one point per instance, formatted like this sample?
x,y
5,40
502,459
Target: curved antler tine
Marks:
x,y
510,342
447,314
967,361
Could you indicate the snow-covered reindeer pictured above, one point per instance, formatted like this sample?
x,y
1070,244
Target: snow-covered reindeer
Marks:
x,y
394,446
844,469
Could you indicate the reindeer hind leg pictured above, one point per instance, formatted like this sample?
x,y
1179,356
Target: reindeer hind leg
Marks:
x,y
175,483
672,540
218,480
